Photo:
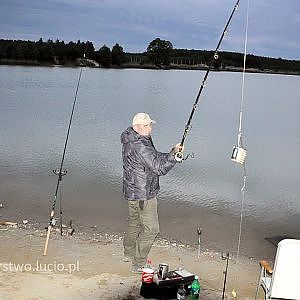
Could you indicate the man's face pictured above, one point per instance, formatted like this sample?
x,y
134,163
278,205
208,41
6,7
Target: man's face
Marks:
x,y
144,130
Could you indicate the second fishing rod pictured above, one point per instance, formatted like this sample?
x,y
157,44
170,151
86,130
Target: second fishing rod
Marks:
x,y
60,173
179,155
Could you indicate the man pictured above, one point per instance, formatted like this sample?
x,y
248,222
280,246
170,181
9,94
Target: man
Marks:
x,y
142,166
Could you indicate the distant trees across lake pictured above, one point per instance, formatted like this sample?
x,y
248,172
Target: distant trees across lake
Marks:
x,y
159,54
59,52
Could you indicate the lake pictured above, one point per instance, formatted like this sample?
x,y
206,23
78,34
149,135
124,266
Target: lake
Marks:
x,y
202,191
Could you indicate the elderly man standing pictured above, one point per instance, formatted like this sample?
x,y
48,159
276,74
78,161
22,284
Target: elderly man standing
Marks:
x,y
142,166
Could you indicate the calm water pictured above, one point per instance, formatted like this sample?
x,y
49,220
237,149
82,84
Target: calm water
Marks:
x,y
35,104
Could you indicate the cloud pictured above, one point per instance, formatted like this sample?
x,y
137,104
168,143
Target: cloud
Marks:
x,y
273,24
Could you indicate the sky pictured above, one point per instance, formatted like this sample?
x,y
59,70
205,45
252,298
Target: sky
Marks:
x,y
273,28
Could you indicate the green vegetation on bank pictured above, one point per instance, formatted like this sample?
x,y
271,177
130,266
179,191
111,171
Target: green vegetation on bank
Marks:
x,y
159,54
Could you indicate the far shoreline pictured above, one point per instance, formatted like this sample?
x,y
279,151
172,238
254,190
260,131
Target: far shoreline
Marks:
x,y
29,63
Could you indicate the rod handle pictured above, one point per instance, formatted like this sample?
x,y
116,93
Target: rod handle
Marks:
x,y
47,240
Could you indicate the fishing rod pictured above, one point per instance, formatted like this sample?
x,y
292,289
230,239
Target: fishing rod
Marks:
x,y
60,173
179,155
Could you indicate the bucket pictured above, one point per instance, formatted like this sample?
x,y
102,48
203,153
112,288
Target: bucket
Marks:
x,y
147,275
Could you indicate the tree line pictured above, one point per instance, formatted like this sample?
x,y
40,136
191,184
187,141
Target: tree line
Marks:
x,y
59,52
159,53
162,53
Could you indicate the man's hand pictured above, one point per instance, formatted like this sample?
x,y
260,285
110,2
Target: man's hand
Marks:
x,y
178,148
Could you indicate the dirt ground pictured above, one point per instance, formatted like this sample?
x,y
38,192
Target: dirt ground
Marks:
x,y
90,267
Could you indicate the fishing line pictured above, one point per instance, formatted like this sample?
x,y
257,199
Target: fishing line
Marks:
x,y
239,152
60,173
179,155
240,136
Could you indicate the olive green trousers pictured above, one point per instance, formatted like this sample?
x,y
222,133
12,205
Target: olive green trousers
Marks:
x,y
143,227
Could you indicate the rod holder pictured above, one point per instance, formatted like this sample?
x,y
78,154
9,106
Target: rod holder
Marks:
x,y
238,155
225,272
199,232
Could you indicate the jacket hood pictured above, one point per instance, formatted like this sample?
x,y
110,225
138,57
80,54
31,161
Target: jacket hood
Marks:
x,y
129,135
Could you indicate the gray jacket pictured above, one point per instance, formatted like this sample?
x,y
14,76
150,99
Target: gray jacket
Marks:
x,y
142,166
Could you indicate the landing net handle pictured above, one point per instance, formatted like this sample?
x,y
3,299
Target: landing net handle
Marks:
x,y
179,154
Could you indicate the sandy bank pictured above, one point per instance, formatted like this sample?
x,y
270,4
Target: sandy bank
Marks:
x,y
93,267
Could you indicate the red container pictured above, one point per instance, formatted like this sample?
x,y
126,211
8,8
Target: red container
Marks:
x,y
147,275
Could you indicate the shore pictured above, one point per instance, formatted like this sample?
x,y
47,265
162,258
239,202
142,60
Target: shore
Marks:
x,y
94,64
97,244
93,267
107,213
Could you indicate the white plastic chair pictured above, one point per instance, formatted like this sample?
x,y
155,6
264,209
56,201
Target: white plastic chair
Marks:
x,y
283,282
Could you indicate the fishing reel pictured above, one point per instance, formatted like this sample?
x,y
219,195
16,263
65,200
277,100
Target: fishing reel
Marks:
x,y
179,156
58,173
